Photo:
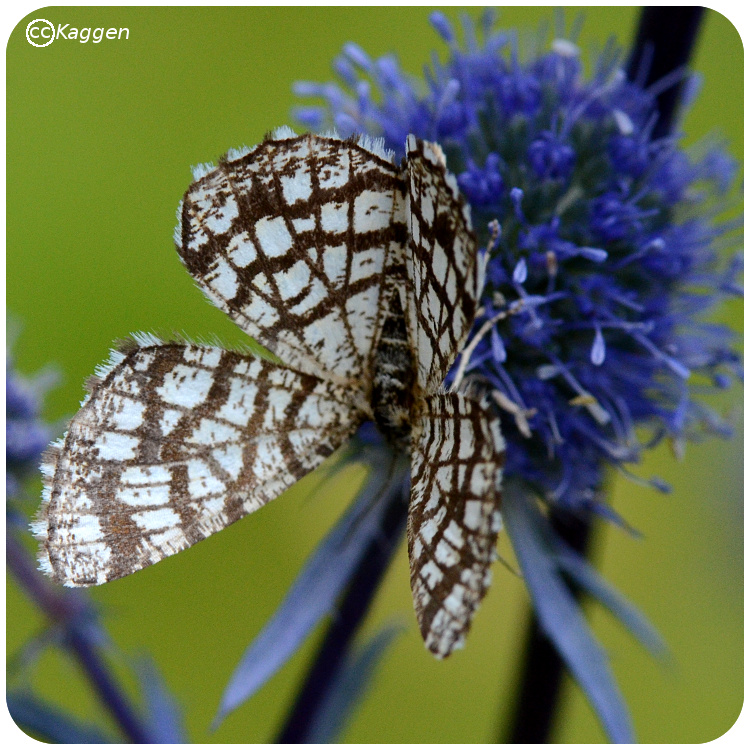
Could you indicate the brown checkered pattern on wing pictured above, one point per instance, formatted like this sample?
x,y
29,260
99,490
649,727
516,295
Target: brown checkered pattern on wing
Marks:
x,y
277,425
303,241
454,515
442,263
293,241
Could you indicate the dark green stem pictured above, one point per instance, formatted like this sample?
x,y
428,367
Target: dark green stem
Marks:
x,y
664,42
351,612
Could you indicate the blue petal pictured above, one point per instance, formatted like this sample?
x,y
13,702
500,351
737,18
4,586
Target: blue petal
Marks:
x,y
313,595
590,580
358,56
350,687
443,26
560,616
164,720
520,272
599,348
498,349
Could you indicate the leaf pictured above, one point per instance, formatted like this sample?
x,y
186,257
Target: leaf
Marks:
x,y
350,687
324,576
559,614
589,579
163,716
586,576
45,721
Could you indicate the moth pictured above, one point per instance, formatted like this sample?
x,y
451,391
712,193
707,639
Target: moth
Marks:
x,y
362,277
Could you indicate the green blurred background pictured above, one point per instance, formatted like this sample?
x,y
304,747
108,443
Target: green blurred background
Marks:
x,y
100,140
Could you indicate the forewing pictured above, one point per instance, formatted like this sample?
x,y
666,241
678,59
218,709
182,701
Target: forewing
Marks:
x,y
175,442
454,515
293,240
445,275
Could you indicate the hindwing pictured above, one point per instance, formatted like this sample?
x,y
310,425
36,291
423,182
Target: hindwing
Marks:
x,y
175,442
454,515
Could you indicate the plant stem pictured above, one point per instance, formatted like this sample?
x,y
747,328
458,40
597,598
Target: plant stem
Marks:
x,y
70,610
354,606
665,40
539,690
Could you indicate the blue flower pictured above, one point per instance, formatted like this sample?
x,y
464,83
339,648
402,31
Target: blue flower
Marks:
x,y
74,622
26,433
607,261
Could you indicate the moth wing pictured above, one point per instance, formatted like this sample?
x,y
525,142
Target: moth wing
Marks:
x,y
445,274
175,442
454,515
293,240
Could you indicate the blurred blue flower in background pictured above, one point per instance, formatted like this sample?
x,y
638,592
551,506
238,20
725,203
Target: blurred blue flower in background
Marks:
x,y
26,434
73,622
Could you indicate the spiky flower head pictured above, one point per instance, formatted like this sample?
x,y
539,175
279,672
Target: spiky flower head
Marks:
x,y
603,245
